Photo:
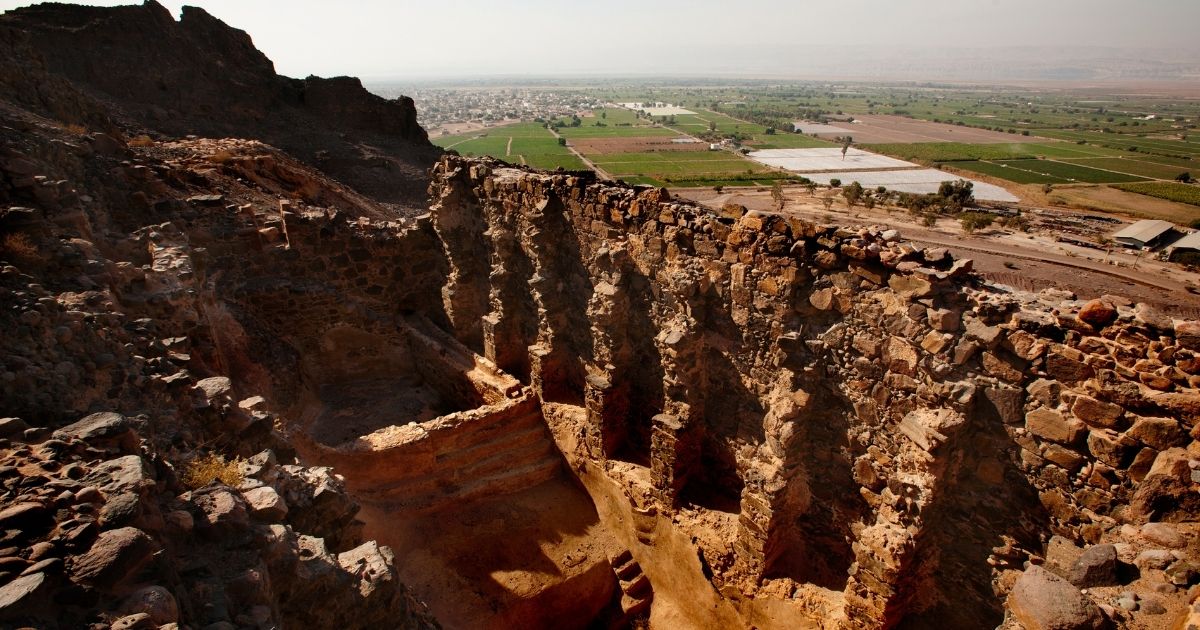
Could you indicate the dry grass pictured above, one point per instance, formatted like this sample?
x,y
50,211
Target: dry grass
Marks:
x,y
142,141
78,130
204,470
21,247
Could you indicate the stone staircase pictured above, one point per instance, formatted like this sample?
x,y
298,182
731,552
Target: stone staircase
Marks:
x,y
636,592
492,459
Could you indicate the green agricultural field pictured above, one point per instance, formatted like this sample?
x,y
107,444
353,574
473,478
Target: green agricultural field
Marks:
x,y
1011,173
523,143
614,122
1133,167
1172,191
755,135
1072,172
1127,142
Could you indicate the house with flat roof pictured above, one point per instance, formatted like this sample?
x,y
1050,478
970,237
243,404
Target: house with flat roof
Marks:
x,y
1147,233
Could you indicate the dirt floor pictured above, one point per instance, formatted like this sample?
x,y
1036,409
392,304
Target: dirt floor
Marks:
x,y
881,129
535,559
1031,262
634,145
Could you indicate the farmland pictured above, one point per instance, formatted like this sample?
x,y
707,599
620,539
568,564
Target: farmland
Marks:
x,y
1171,191
1026,138
525,143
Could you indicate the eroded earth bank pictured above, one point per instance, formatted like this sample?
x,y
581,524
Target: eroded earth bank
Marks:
x,y
525,399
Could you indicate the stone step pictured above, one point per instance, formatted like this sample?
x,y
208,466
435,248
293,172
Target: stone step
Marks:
x,y
623,558
628,571
637,587
633,606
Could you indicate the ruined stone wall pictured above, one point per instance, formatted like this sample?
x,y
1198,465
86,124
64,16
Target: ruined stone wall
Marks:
x,y
887,428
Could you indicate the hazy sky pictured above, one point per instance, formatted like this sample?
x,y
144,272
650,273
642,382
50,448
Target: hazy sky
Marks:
x,y
379,38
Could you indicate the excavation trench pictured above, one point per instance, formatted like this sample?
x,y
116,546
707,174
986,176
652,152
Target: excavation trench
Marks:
x,y
566,404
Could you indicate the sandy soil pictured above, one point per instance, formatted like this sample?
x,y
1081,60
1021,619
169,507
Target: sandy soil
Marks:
x,y
484,564
878,129
1023,261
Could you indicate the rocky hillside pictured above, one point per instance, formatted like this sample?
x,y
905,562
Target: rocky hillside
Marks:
x,y
147,72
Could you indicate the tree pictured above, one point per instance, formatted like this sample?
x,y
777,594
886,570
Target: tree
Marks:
x,y
712,126
770,131
827,201
972,221
811,187
1185,177
957,195
718,189
777,194
562,142
846,146
835,183
853,193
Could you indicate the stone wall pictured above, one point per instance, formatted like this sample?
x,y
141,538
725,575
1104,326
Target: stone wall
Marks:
x,y
890,429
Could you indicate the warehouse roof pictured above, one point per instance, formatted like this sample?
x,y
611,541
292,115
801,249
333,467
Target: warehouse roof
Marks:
x,y
1144,231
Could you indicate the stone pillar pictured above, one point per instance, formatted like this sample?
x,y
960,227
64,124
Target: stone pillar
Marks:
x,y
607,409
674,454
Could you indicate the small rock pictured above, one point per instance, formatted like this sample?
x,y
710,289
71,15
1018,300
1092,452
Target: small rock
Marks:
x,y
138,621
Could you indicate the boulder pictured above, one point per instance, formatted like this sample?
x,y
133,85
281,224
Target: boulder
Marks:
x,y
154,601
1041,600
1097,413
1097,313
1096,566
214,387
102,430
265,503
1160,433
1051,425
1165,534
12,427
17,594
1187,334
222,509
116,556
